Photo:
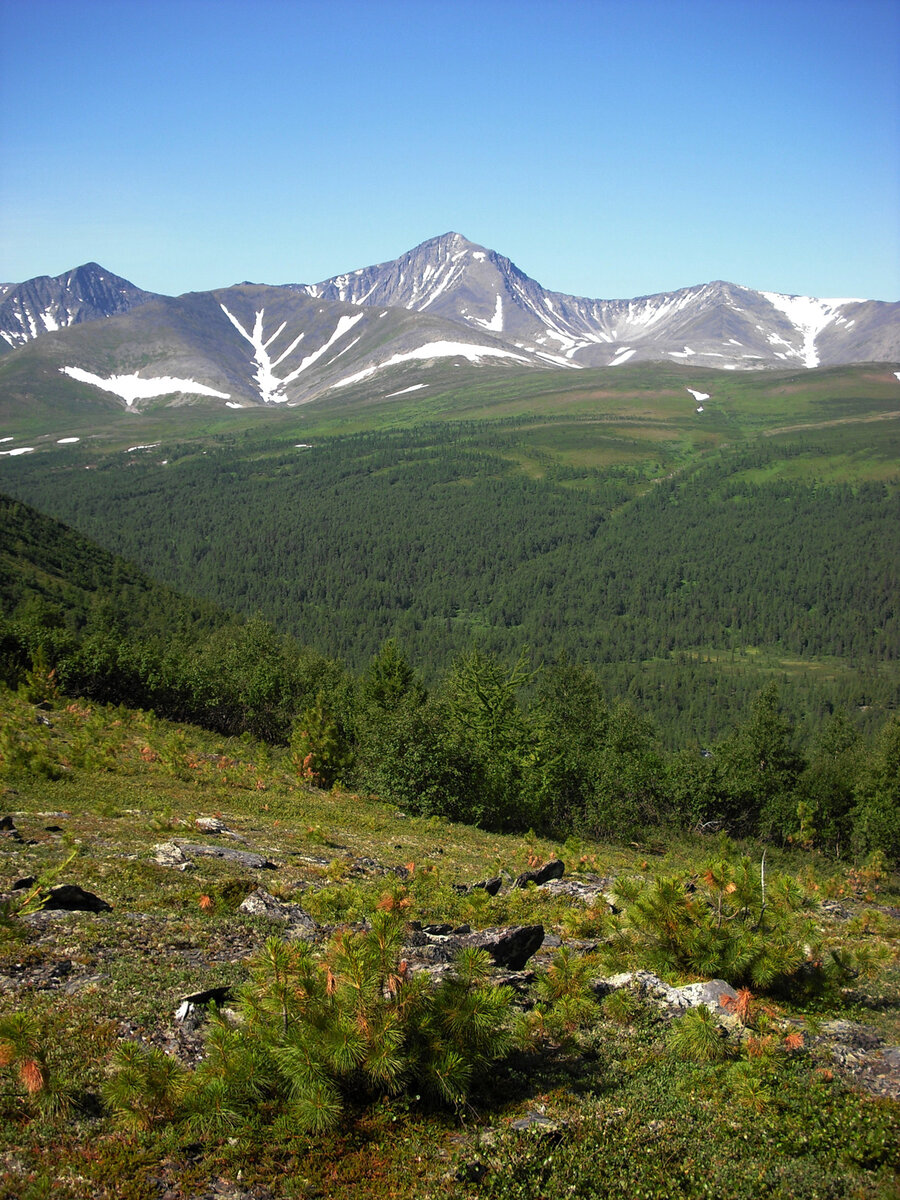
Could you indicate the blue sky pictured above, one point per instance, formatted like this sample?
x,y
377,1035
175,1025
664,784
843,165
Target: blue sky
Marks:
x,y
611,149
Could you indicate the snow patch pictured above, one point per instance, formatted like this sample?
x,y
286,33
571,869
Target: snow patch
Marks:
x,y
131,387
495,324
685,353
809,317
479,255
271,387
20,450
699,408
897,373
416,387
233,404
622,356
66,441
149,446
432,351
698,396
9,439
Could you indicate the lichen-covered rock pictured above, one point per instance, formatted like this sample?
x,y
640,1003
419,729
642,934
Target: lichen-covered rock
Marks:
x,y
261,904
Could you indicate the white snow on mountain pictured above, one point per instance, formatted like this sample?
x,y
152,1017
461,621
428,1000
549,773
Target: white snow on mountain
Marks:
x,y
416,387
809,317
698,396
431,351
132,387
271,387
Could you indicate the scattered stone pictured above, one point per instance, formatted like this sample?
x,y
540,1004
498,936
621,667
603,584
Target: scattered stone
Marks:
x,y
69,897
170,854
555,869
261,904
713,993
25,882
590,894
244,858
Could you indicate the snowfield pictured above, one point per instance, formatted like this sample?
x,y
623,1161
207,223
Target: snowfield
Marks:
x,y
131,387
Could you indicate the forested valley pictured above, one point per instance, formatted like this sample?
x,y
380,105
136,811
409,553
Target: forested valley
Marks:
x,y
506,743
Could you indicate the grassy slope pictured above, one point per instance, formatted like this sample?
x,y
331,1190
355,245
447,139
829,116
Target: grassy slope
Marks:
x,y
92,980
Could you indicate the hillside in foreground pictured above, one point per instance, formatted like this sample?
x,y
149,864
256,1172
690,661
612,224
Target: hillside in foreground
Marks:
x,y
602,1085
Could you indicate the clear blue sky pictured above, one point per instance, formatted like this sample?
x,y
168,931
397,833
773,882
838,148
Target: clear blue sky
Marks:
x,y
611,149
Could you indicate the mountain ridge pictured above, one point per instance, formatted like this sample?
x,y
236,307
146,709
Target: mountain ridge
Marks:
x,y
384,326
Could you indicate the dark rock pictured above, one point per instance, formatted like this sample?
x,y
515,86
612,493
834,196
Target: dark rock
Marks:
x,y
437,929
216,995
555,869
491,886
8,829
509,947
69,897
26,881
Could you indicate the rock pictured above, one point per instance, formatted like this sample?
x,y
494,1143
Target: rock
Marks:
x,y
170,854
26,881
188,1005
261,904
590,895
509,947
712,993
211,825
852,1034
8,829
536,1124
555,869
244,858
69,897
491,886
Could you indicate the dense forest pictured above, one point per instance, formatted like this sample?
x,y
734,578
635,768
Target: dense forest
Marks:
x,y
668,586
507,744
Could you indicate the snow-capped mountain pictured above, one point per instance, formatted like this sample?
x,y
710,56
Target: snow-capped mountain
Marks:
x,y
715,324
46,303
92,337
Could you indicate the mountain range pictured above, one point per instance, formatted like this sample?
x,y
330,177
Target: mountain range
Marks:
x,y
100,338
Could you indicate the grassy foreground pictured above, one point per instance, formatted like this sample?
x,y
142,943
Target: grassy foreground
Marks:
x,y
612,1103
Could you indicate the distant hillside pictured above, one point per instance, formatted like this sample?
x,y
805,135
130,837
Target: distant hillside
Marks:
x,y
62,575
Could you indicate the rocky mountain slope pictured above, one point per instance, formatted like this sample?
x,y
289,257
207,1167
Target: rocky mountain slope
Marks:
x,y
91,337
48,303
714,325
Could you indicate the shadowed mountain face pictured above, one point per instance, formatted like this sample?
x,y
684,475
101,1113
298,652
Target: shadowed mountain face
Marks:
x,y
45,304
92,337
